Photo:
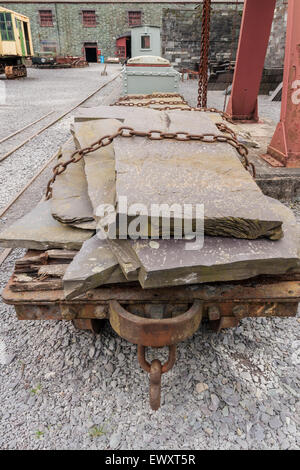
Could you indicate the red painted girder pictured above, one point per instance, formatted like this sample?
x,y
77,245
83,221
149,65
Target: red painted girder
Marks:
x,y
285,144
253,43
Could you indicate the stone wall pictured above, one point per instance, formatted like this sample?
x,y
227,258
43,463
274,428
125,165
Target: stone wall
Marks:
x,y
68,33
181,34
275,54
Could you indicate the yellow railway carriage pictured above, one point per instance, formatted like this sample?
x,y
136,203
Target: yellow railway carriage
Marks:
x,y
15,43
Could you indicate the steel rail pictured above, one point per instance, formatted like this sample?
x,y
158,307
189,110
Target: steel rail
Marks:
x,y
5,253
57,119
29,183
25,127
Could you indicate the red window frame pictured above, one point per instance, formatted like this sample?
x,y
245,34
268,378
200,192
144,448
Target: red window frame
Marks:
x,y
134,18
89,18
46,18
145,41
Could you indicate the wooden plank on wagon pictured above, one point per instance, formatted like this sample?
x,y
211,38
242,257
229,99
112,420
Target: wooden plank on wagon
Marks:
x,y
36,285
260,289
53,270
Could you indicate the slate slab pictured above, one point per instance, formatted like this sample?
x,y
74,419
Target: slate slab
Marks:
x,y
99,166
93,266
70,201
172,172
38,230
109,112
129,263
168,263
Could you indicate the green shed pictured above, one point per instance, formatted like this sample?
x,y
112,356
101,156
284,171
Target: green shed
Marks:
x,y
145,40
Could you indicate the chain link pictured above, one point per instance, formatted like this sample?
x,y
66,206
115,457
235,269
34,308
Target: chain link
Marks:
x,y
151,96
121,100
148,103
203,69
153,134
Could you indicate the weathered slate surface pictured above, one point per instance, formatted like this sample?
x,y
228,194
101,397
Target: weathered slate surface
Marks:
x,y
129,263
93,266
70,202
61,254
168,263
170,172
109,112
38,230
92,225
99,166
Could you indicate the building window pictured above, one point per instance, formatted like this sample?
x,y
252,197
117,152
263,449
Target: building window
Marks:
x,y
48,46
46,18
89,18
6,27
134,18
145,42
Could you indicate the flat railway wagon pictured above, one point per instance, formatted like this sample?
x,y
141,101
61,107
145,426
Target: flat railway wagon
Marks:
x,y
15,43
163,314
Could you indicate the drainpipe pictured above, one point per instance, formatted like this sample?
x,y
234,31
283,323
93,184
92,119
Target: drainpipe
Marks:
x,y
57,28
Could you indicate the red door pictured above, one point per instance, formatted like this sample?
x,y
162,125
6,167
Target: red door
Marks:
x,y
121,48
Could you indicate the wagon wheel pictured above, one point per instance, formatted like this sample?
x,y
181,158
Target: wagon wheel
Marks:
x,y
92,324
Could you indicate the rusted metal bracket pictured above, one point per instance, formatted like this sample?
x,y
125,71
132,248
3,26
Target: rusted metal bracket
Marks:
x,y
156,333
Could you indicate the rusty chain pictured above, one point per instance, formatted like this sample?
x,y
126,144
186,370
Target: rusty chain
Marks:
x,y
147,103
153,134
151,96
155,370
121,100
203,69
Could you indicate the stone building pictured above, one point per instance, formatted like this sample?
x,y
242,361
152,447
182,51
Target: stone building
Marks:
x,y
81,28
74,27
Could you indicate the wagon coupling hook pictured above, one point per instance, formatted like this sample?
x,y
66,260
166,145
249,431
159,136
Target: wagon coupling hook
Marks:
x,y
156,369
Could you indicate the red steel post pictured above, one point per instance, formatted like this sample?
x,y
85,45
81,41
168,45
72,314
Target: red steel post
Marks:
x,y
253,43
285,144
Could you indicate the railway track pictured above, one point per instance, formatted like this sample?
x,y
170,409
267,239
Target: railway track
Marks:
x,y
25,127
54,121
6,252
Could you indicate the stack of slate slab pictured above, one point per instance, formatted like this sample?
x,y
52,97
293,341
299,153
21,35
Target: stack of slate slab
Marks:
x,y
246,234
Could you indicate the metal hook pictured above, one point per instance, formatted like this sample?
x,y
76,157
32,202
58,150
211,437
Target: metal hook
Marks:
x,y
156,369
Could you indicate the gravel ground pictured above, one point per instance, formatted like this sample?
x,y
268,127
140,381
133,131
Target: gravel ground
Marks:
x,y
215,99
62,388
